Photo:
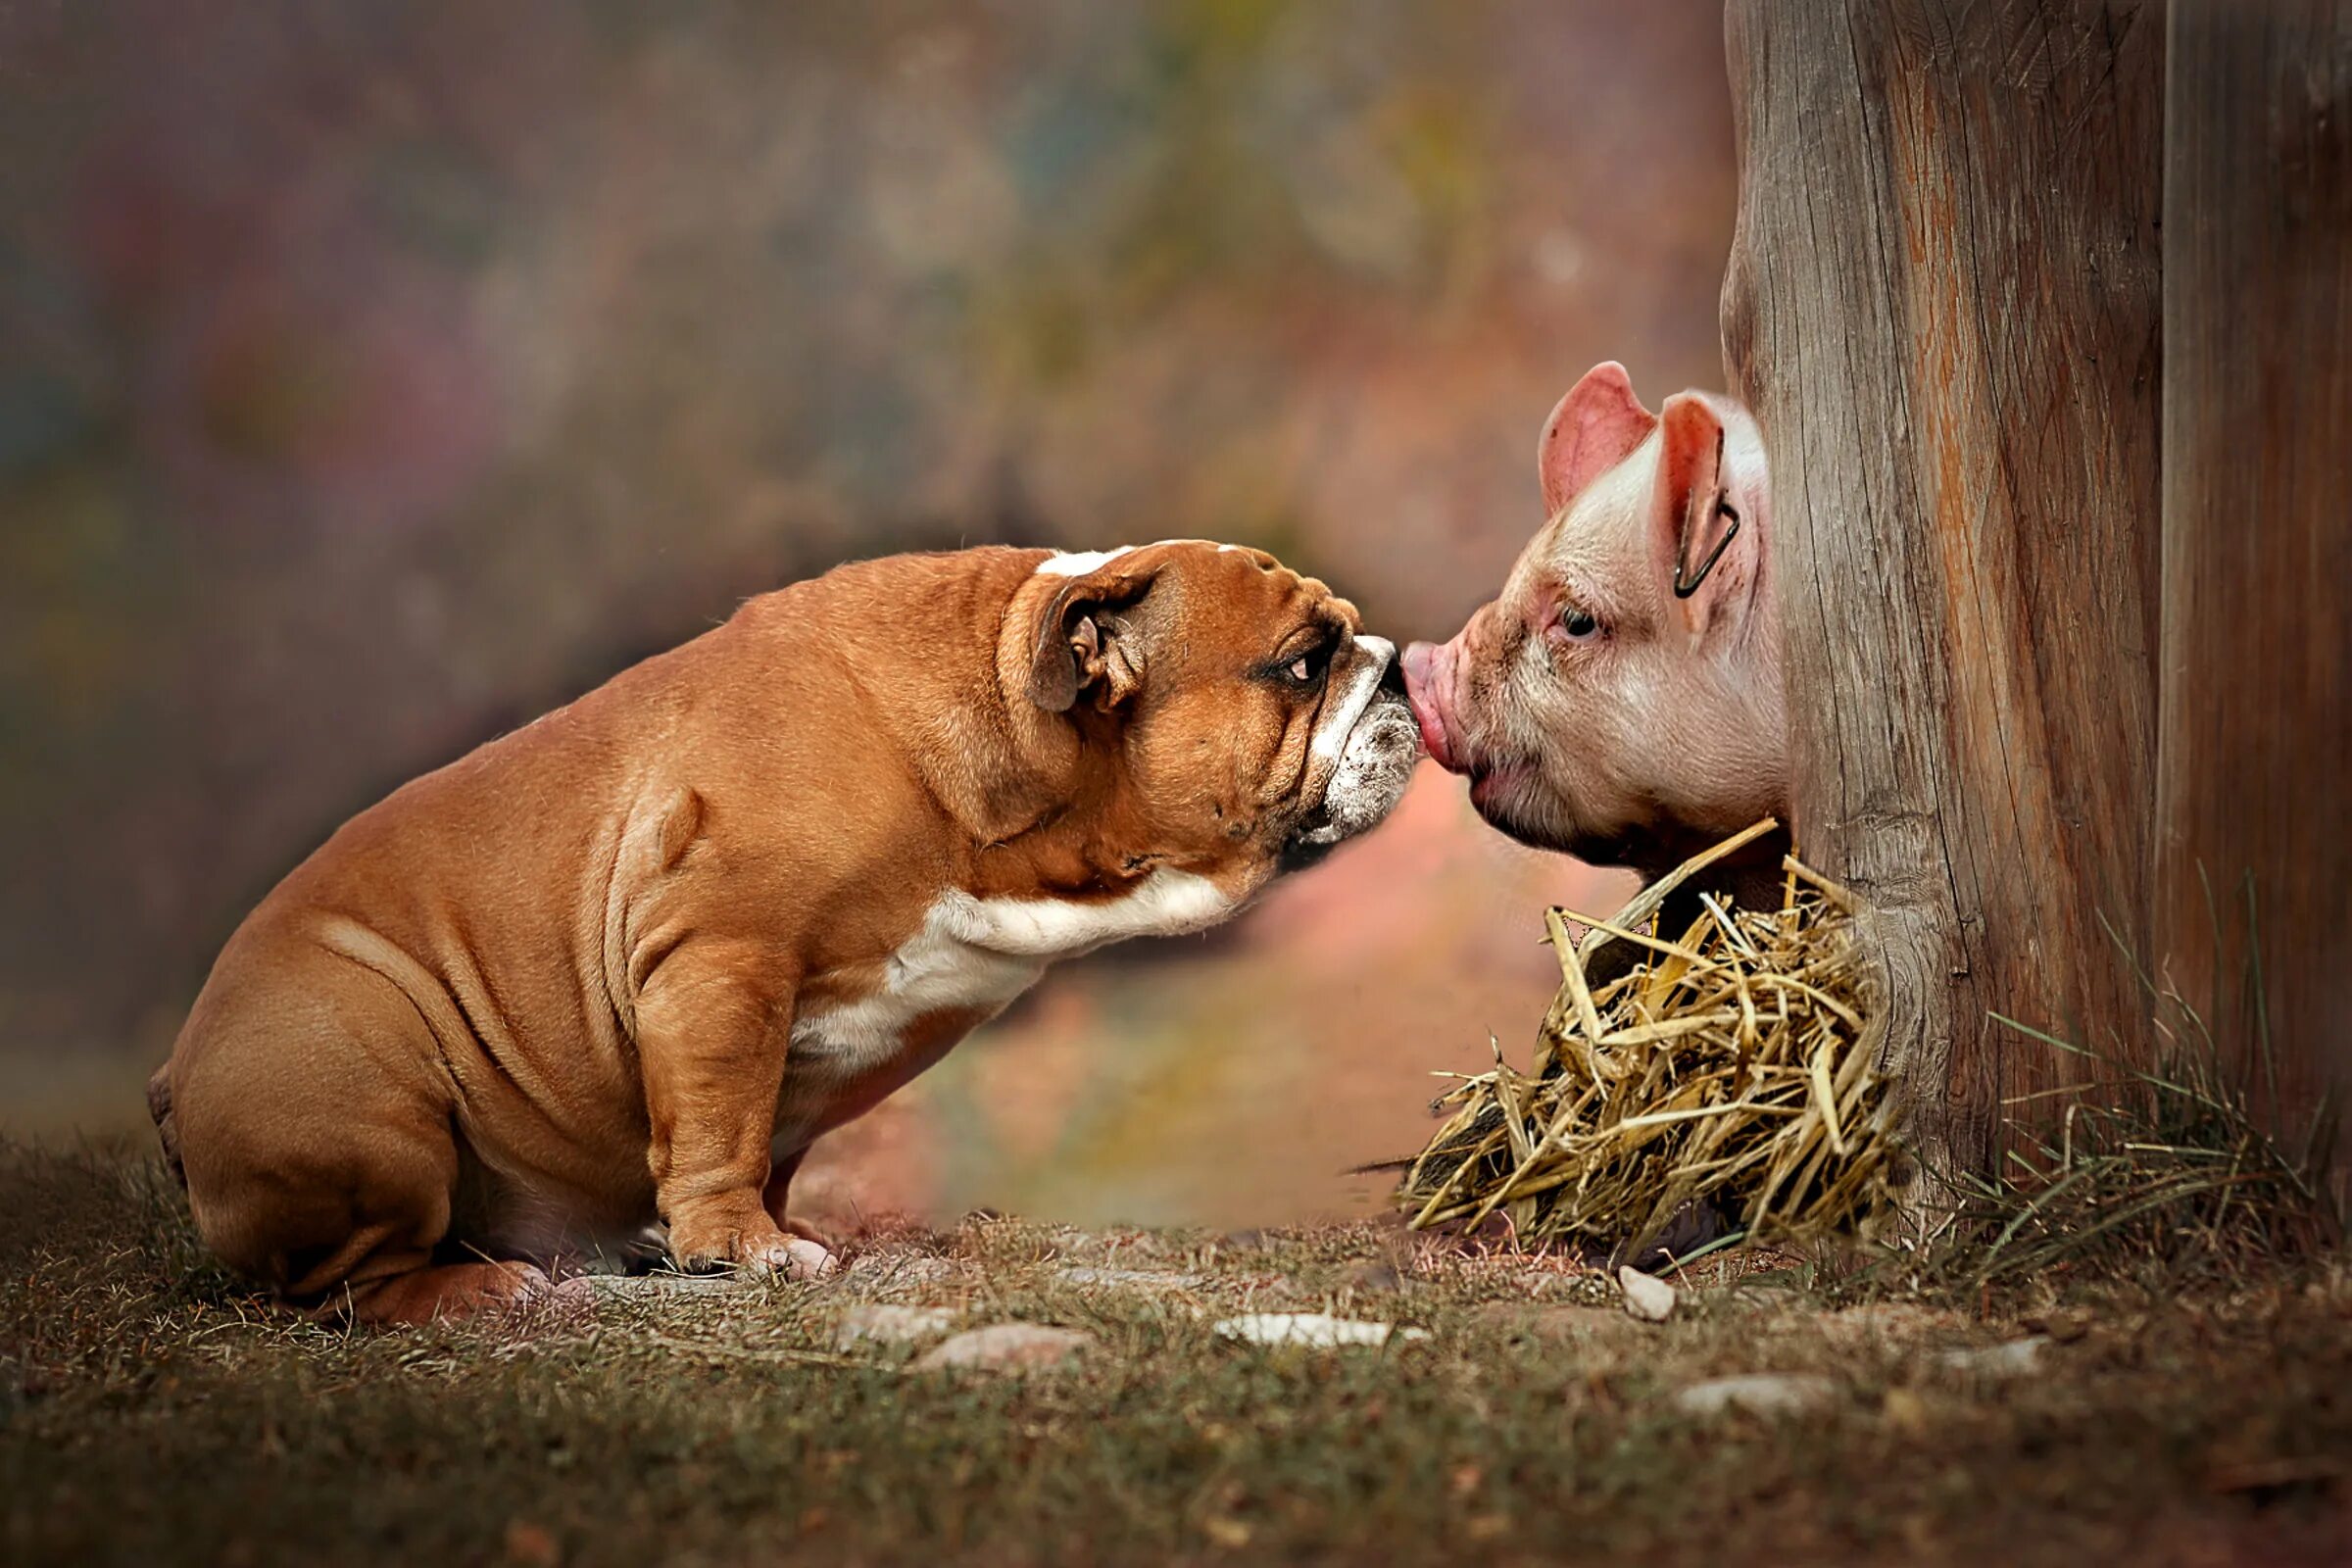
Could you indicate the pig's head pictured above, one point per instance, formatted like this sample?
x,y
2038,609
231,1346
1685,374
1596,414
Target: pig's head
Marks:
x,y
1603,704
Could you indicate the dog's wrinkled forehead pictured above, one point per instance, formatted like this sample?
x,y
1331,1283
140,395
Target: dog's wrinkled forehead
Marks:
x,y
1240,600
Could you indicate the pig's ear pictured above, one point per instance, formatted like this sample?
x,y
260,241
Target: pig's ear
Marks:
x,y
1596,427
1702,547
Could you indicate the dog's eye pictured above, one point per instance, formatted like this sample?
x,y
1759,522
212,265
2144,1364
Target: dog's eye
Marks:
x,y
1306,670
1579,624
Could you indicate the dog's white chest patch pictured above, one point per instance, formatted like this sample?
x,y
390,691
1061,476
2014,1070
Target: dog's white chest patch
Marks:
x,y
972,956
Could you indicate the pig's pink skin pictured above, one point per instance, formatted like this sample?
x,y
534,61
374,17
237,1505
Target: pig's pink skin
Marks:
x,y
1660,729
1429,683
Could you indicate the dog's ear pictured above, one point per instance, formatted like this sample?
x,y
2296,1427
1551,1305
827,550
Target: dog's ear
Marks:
x,y
1088,641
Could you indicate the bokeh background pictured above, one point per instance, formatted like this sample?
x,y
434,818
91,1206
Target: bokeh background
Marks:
x,y
375,374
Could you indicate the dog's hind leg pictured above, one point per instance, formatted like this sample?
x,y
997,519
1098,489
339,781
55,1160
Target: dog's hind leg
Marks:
x,y
314,1122
167,1126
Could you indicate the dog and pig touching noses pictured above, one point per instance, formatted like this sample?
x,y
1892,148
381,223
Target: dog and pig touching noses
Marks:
x,y
771,875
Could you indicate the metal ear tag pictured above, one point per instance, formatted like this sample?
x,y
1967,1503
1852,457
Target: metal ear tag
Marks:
x,y
1685,584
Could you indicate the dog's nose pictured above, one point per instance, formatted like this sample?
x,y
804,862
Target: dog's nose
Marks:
x,y
1391,681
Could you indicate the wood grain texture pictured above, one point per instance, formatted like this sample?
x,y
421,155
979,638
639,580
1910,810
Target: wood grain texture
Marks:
x,y
2255,754
1943,304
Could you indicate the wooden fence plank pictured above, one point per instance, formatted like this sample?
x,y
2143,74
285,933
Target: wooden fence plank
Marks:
x,y
2255,749
1944,302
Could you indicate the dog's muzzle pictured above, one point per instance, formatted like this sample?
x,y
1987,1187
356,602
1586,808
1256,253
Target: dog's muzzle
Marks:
x,y
1375,764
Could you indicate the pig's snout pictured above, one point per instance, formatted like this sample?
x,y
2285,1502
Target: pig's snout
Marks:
x,y
1428,677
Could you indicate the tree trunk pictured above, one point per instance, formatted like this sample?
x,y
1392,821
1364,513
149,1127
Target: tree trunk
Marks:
x,y
1943,306
2256,751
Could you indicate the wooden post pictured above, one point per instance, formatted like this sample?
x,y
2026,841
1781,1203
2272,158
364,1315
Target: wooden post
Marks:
x,y
2255,758
1943,305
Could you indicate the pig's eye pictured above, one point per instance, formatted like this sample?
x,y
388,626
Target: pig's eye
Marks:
x,y
1579,622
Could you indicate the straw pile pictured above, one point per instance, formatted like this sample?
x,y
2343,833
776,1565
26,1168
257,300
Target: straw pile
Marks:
x,y
1725,1070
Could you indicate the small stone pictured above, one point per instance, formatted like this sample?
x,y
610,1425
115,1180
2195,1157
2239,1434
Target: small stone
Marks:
x,y
1008,1347
1315,1330
1757,1394
1126,1279
1646,1298
2015,1358
890,1325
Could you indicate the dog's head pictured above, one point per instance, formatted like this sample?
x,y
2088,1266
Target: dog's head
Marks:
x,y
1243,721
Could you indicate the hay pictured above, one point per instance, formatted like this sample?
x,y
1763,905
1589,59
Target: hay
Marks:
x,y
1726,1070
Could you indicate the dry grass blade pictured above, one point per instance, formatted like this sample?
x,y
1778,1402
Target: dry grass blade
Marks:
x,y
1724,1071
2171,1173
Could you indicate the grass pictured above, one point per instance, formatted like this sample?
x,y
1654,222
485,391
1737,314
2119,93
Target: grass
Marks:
x,y
152,1410
2168,1175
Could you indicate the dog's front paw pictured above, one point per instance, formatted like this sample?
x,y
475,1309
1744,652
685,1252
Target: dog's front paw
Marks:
x,y
794,1257
809,1260
749,1244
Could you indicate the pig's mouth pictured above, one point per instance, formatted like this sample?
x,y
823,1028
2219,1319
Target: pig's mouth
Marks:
x,y
1431,684
1499,795
1433,738
1430,679
1491,787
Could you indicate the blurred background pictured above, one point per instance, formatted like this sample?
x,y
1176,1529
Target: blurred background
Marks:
x,y
375,374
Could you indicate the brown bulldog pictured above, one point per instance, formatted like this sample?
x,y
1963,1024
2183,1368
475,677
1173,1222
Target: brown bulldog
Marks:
x,y
623,965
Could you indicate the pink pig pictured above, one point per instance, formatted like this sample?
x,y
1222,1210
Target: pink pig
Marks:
x,y
1621,699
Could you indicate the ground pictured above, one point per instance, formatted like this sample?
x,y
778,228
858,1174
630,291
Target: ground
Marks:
x,y
152,1410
